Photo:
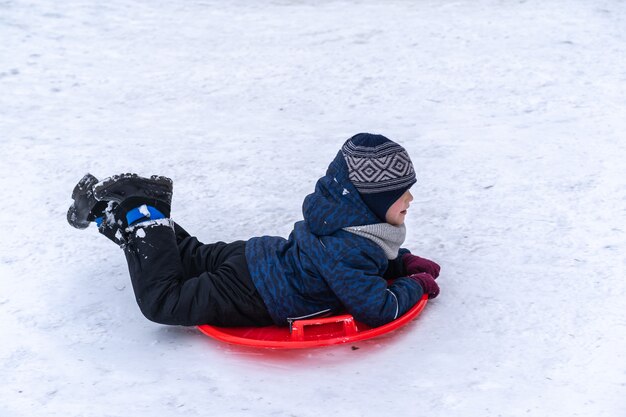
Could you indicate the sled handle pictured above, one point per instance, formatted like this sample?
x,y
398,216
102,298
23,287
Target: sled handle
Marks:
x,y
298,326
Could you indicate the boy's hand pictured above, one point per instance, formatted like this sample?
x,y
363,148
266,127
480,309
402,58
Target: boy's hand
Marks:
x,y
415,265
428,283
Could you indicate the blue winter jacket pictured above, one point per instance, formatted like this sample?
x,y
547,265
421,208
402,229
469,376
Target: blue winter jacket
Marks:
x,y
323,270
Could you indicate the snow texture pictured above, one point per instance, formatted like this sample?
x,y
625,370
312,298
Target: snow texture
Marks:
x,y
514,115
144,210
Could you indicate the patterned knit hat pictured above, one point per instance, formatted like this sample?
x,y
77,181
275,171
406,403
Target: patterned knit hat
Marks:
x,y
380,169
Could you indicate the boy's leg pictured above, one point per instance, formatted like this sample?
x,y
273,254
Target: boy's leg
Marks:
x,y
198,257
186,255
180,232
195,256
166,264
223,296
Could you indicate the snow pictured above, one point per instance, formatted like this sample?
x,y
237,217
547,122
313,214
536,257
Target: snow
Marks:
x,y
513,113
143,209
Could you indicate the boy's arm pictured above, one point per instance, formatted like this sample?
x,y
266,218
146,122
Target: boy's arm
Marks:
x,y
365,294
396,267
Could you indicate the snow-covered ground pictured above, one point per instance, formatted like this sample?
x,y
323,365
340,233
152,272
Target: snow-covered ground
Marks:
x,y
514,113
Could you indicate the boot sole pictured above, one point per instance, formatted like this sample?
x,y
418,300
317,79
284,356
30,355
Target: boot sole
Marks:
x,y
85,183
75,217
101,189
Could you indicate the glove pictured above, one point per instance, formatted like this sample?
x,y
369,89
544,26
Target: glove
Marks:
x,y
428,284
415,265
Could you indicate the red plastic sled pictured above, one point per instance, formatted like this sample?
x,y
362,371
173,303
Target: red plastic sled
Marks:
x,y
309,333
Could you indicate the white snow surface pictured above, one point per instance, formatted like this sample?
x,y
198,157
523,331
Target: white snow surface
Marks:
x,y
513,113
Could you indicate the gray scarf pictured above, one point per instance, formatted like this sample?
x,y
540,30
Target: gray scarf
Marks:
x,y
385,235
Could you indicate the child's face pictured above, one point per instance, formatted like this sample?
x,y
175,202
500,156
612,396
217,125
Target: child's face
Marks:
x,y
396,213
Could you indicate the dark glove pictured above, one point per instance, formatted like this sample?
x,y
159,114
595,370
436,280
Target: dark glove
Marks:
x,y
427,282
415,265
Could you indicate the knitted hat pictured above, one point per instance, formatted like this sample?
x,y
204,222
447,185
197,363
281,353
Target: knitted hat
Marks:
x,y
380,169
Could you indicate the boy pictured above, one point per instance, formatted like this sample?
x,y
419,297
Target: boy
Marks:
x,y
337,259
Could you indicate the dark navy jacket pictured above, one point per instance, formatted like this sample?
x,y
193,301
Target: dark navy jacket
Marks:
x,y
321,269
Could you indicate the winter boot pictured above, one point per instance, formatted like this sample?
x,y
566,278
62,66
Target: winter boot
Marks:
x,y
85,207
111,228
133,199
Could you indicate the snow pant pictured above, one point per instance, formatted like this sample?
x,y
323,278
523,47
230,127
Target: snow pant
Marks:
x,y
178,280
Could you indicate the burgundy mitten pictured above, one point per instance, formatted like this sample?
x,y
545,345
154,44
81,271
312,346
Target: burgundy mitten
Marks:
x,y
428,283
415,265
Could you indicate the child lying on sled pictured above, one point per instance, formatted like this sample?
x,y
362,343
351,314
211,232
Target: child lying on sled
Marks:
x,y
337,259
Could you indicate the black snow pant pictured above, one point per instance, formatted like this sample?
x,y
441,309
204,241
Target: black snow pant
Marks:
x,y
178,280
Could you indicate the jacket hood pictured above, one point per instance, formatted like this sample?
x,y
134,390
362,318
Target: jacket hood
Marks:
x,y
335,203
